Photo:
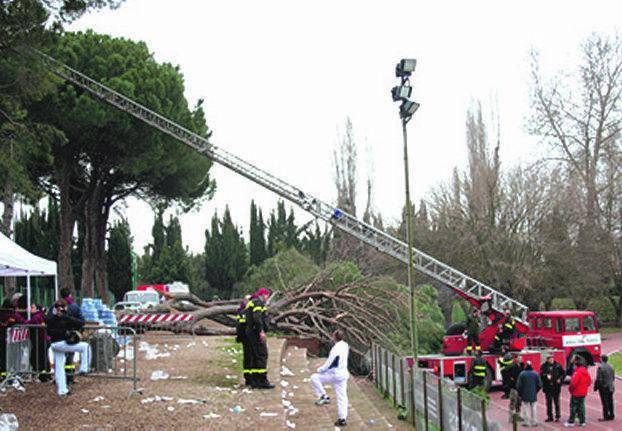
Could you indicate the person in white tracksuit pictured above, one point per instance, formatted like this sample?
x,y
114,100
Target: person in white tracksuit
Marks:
x,y
334,372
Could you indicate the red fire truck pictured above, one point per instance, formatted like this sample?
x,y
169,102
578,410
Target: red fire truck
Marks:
x,y
562,334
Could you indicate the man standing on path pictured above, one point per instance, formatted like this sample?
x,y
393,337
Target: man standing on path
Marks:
x,y
240,330
552,375
334,372
505,362
479,370
256,327
605,385
579,385
528,385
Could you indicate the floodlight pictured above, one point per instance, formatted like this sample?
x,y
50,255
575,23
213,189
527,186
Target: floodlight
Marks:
x,y
408,108
401,92
405,67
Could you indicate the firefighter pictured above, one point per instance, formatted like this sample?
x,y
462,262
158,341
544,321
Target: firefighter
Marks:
x,y
241,338
479,369
472,332
505,361
256,327
505,333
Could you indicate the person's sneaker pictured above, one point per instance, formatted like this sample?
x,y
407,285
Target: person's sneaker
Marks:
x,y
341,423
583,424
568,424
322,400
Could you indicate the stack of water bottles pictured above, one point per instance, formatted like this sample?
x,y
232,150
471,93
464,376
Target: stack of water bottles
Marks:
x,y
89,310
106,315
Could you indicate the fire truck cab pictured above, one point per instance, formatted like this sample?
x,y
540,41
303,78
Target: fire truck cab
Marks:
x,y
573,331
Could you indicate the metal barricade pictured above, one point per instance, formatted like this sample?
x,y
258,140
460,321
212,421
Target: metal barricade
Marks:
x,y
161,324
113,353
16,355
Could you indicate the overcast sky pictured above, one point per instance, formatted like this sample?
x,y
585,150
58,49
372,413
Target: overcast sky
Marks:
x,y
280,77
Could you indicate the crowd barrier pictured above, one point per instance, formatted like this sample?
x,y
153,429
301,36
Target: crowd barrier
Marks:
x,y
434,403
159,323
26,354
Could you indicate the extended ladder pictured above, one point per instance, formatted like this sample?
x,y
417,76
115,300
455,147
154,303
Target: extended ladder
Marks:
x,y
370,235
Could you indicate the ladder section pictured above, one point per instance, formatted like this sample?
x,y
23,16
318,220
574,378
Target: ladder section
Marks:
x,y
370,235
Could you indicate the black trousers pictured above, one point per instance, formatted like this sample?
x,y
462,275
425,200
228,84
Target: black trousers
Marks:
x,y
552,397
247,359
259,362
507,384
606,398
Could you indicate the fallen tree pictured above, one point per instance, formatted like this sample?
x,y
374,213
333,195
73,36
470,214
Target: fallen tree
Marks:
x,y
367,310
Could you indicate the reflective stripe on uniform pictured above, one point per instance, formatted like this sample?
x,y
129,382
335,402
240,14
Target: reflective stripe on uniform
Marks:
x,y
479,370
241,320
257,309
257,370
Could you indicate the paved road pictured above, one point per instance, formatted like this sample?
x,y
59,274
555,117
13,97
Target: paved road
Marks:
x,y
611,343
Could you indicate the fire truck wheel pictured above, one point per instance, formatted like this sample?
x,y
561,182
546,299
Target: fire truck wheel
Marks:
x,y
584,353
456,329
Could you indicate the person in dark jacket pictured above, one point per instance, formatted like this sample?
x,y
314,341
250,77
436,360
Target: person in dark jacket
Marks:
x,y
59,326
479,370
505,361
552,376
240,328
472,332
528,386
605,385
73,310
256,328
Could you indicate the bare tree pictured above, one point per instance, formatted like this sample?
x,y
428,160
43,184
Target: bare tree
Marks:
x,y
579,116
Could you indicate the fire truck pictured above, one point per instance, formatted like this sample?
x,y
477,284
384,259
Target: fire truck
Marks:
x,y
562,334
537,333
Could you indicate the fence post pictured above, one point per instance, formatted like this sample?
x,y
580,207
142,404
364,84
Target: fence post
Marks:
x,y
514,421
386,373
425,399
413,402
440,402
394,380
484,420
402,381
459,407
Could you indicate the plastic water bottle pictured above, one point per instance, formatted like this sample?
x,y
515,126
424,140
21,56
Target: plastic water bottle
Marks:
x,y
8,422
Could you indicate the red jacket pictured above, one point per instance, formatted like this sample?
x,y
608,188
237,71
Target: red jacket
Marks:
x,y
580,382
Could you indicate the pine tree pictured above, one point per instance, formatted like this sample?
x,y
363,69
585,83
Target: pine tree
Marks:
x,y
159,235
120,259
257,246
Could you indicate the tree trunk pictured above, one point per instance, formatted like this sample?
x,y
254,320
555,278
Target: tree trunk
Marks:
x,y
7,225
67,223
101,260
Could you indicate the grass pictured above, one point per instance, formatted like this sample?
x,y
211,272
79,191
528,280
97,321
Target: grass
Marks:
x,y
610,330
224,365
616,362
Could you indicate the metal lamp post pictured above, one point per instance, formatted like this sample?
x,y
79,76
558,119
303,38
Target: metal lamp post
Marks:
x,y
401,93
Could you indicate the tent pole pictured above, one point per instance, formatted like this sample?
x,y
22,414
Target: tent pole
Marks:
x,y
28,293
55,287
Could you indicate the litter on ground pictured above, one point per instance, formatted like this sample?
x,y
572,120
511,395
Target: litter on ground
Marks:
x,y
211,415
268,414
159,375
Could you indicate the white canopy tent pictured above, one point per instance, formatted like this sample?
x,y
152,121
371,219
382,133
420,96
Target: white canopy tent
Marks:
x,y
16,261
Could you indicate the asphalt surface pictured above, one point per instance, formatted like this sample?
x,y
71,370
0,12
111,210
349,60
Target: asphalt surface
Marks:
x,y
593,410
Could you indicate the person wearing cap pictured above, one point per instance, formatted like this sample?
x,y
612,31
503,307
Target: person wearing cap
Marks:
x,y
605,385
552,376
256,328
528,386
241,338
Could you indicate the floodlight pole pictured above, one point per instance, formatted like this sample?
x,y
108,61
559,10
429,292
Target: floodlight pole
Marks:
x,y
414,339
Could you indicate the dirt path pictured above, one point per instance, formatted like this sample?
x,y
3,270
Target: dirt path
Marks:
x,y
204,378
